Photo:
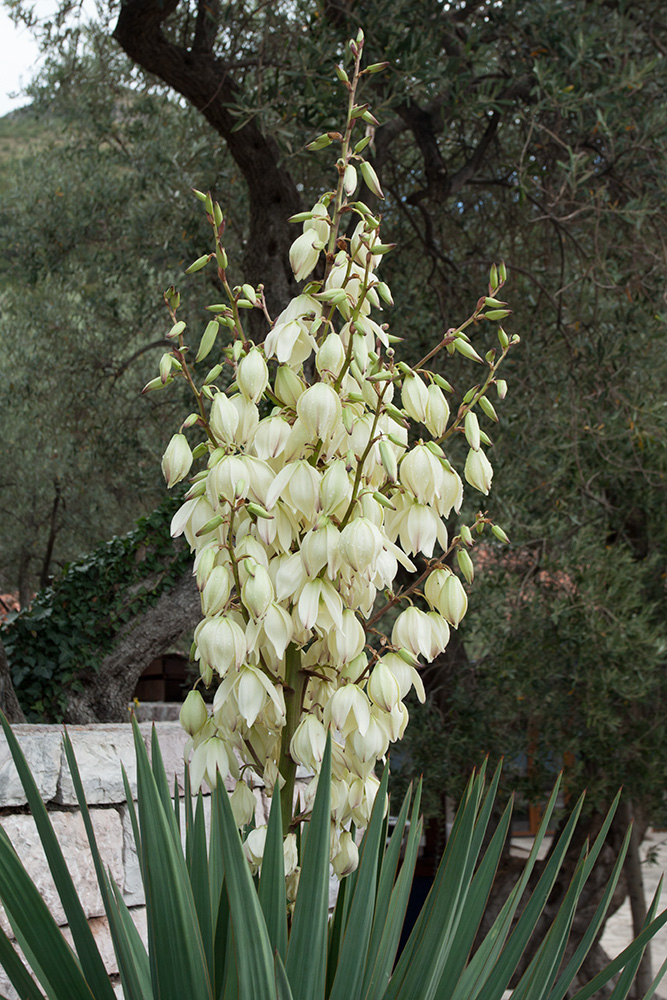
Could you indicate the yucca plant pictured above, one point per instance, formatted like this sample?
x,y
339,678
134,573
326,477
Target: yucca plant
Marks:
x,y
317,486
215,933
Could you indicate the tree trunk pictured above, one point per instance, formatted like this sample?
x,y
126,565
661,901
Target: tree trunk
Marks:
x,y
635,886
25,590
9,703
108,692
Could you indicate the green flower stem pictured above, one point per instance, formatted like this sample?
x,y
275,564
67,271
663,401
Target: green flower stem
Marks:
x,y
360,466
345,154
465,408
295,686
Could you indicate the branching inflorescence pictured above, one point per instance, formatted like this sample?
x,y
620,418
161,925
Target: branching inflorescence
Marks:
x,y
302,517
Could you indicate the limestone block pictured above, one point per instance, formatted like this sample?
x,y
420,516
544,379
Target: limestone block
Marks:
x,y
7,991
71,835
99,750
41,746
100,930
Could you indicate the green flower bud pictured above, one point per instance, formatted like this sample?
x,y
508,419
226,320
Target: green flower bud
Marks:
x,y
466,349
207,340
466,535
499,533
369,175
199,263
321,142
453,601
389,463
472,429
176,330
488,408
466,565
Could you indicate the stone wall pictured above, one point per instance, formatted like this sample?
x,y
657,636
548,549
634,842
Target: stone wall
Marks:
x,y
100,750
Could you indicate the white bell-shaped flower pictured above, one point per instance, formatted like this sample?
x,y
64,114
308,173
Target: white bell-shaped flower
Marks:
x,y
177,460
414,397
307,744
479,471
223,418
320,410
252,375
221,644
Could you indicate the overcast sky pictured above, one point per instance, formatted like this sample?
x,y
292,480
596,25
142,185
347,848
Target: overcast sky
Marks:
x,y
18,59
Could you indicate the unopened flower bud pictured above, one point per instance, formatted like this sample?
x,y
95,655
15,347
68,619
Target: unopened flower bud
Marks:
x,y
472,430
414,397
304,253
388,459
466,349
288,386
243,804
350,180
488,408
347,859
193,714
453,602
216,591
257,592
331,355
371,178
466,535
499,533
465,565
177,460
437,412
479,471
252,375
319,409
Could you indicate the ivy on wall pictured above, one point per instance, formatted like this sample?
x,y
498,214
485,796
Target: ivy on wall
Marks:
x,y
72,624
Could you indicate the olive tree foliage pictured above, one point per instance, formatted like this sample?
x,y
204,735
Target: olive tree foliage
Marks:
x,y
88,246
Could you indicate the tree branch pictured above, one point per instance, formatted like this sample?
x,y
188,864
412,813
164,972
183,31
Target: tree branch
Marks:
x,y
206,82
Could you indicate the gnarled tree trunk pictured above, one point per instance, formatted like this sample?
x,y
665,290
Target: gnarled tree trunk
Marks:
x,y
107,693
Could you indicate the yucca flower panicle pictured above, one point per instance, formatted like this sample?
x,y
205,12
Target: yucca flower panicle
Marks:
x,y
329,464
